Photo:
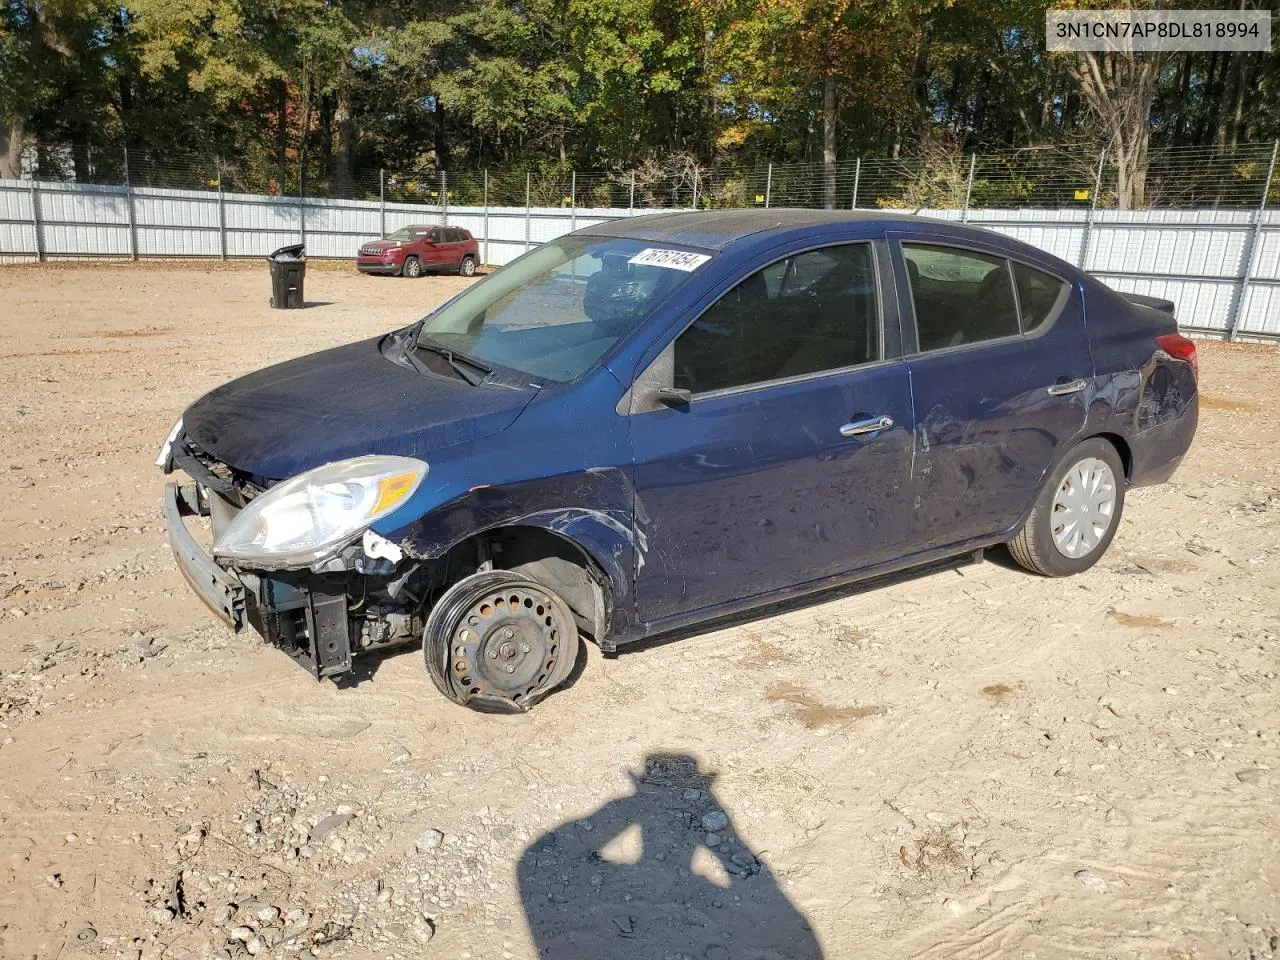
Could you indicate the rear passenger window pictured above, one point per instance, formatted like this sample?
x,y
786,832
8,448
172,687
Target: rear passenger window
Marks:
x,y
804,314
1038,292
960,296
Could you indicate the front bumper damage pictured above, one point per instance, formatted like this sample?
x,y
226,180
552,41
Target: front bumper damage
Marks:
x,y
302,613
222,591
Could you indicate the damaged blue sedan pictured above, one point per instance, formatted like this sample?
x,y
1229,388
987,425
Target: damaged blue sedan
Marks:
x,y
653,423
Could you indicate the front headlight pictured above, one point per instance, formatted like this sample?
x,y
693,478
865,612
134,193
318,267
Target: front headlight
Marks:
x,y
303,520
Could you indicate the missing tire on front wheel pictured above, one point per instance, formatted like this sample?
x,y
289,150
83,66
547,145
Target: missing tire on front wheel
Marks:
x,y
499,642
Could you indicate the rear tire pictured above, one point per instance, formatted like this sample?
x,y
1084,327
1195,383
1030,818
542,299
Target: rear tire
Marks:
x,y
1077,513
499,642
468,266
412,268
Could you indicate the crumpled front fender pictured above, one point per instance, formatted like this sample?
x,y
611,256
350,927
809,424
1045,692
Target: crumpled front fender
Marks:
x,y
592,511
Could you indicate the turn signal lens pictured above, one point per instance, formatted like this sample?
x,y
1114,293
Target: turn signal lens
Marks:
x,y
391,490
1180,348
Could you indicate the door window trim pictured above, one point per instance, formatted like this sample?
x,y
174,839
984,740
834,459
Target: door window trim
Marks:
x,y
1055,310
908,304
630,403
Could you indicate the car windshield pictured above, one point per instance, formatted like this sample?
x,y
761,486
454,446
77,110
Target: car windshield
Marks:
x,y
407,233
555,311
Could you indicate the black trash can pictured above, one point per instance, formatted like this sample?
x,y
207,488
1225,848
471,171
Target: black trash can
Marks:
x,y
288,269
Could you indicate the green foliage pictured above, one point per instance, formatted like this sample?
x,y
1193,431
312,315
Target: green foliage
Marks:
x,y
263,94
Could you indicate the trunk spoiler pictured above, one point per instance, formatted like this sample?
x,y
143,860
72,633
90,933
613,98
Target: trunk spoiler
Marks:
x,y
1155,303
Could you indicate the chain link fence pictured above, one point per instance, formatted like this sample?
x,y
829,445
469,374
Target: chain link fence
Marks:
x,y
1207,236
1048,177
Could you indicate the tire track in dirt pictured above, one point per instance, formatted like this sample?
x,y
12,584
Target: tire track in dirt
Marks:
x,y
1017,732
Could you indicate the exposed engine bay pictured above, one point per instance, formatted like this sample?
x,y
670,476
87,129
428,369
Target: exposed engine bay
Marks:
x,y
369,595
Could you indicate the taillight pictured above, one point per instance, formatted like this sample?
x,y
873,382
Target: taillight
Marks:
x,y
1180,348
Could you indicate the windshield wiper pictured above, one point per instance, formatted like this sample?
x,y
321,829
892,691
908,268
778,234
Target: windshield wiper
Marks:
x,y
453,359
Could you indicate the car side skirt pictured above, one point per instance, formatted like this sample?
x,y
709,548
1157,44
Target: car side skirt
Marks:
x,y
704,618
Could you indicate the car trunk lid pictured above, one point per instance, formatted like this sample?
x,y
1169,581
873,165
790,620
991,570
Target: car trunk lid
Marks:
x,y
1153,303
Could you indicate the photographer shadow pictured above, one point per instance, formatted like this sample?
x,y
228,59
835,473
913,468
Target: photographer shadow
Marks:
x,y
661,874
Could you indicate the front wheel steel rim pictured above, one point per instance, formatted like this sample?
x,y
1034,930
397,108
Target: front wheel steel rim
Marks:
x,y
1084,507
510,643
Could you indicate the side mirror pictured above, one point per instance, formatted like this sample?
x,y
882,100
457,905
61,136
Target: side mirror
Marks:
x,y
673,396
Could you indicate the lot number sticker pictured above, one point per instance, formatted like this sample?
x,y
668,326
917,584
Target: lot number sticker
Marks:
x,y
671,259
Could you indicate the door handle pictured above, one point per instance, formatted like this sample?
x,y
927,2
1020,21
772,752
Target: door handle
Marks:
x,y
1062,389
859,427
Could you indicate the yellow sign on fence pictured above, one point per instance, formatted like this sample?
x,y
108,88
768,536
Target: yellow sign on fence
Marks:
x,y
1082,194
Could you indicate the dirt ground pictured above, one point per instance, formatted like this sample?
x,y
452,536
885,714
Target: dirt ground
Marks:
x,y
972,763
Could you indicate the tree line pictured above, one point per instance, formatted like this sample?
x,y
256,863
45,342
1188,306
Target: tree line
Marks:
x,y
331,90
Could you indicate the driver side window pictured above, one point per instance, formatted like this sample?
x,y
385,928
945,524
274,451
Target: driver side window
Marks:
x,y
803,314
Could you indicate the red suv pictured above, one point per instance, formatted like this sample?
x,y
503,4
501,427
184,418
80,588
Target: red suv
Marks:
x,y
413,251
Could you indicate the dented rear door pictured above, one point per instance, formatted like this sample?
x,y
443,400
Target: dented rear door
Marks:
x,y
992,417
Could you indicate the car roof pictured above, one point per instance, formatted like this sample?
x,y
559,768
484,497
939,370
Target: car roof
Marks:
x,y
718,229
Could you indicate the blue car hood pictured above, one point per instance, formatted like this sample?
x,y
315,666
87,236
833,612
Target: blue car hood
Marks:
x,y
345,402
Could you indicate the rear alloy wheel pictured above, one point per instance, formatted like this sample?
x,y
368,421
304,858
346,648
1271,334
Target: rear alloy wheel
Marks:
x,y
468,266
412,268
1076,514
498,642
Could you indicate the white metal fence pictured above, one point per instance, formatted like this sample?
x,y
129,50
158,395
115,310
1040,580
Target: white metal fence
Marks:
x,y
1220,266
